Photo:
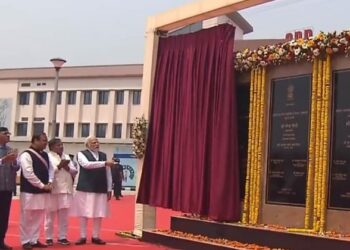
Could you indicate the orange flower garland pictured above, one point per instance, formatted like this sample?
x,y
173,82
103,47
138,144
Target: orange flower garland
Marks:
x,y
251,205
316,191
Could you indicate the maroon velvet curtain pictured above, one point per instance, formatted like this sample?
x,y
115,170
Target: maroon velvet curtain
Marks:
x,y
191,162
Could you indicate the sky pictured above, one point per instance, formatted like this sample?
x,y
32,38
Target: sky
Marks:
x,y
105,32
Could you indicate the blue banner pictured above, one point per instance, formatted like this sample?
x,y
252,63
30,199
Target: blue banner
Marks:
x,y
129,162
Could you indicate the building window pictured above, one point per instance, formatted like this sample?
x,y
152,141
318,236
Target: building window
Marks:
x,y
85,130
71,97
87,97
129,130
59,97
24,98
119,97
136,97
103,97
21,129
69,130
101,129
40,98
117,130
38,128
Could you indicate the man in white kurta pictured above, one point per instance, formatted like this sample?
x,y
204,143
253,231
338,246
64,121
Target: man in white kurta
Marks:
x,y
93,190
61,193
36,179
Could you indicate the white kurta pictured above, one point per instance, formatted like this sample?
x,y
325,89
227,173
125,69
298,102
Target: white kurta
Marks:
x,y
87,204
62,185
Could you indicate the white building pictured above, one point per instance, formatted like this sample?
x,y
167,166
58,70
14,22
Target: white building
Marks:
x,y
93,100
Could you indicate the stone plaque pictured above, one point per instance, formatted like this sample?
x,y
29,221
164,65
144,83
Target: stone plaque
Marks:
x,y
288,144
339,195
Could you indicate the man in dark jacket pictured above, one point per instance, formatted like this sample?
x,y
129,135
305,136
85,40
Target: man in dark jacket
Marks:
x,y
36,179
8,168
117,176
93,190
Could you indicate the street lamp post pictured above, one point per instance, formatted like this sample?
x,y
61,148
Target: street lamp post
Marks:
x,y
57,63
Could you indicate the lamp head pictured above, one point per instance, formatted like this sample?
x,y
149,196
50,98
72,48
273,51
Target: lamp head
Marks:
x,y
58,62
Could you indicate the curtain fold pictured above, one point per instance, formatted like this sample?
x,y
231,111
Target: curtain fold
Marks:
x,y
191,161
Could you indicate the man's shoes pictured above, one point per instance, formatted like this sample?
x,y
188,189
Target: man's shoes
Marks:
x,y
117,198
27,246
38,244
49,242
81,241
3,246
98,241
64,242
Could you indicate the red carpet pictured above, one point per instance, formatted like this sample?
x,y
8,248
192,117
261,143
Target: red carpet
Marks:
x,y
121,219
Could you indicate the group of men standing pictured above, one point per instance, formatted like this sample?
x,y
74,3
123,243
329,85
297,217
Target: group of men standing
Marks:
x,y
47,189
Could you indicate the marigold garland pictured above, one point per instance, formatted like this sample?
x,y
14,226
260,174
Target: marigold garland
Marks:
x,y
248,183
312,139
252,197
326,128
139,131
318,143
254,147
260,133
318,149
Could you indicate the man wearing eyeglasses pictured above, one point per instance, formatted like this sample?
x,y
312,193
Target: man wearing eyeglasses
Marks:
x,y
8,169
36,178
93,190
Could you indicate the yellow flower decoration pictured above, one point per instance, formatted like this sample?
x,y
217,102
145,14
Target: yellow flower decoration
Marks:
x,y
139,133
294,51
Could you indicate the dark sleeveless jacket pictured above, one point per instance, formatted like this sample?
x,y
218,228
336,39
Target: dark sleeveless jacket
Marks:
x,y
93,180
40,170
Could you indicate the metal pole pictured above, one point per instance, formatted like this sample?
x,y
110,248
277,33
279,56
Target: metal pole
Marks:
x,y
54,106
